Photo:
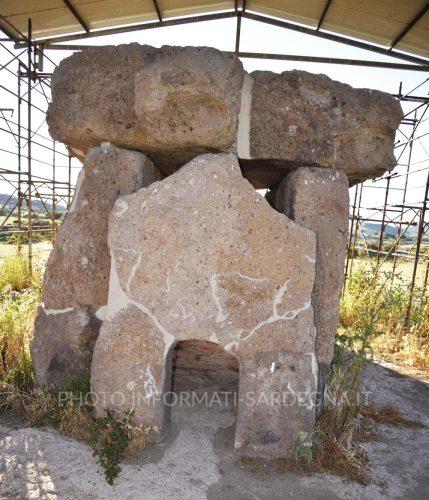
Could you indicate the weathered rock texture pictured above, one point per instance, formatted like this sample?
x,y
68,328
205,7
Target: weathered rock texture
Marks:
x,y
62,345
77,273
306,119
202,256
78,268
93,96
175,103
187,102
318,199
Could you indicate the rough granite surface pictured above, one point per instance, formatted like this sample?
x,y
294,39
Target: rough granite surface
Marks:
x,y
76,278
77,272
306,119
62,345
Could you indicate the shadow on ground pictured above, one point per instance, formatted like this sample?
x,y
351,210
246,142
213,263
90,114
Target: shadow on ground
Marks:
x,y
196,461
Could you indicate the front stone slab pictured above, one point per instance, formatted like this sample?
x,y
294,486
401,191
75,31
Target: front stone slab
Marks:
x,y
318,199
202,256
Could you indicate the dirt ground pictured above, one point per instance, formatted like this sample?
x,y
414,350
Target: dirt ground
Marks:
x,y
197,461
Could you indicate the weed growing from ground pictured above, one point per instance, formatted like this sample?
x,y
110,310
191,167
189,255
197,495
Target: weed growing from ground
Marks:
x,y
372,319
70,412
305,446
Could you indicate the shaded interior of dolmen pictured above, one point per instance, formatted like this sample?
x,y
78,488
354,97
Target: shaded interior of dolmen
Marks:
x,y
202,366
203,375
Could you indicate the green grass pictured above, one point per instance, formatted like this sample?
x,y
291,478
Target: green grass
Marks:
x,y
19,299
40,250
403,271
372,317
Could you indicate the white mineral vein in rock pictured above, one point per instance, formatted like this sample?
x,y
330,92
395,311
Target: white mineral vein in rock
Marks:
x,y
221,316
185,314
243,133
230,345
260,280
119,300
149,384
50,312
134,270
121,206
288,315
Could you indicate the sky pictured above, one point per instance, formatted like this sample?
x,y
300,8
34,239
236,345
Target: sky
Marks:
x,y
255,37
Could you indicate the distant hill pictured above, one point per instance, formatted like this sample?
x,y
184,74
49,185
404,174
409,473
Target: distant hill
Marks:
x,y
372,229
36,203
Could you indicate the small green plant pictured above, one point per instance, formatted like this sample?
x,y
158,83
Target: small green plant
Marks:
x,y
69,410
110,439
305,445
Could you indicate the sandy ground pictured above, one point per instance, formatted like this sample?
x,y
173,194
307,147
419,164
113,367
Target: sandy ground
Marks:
x,y
197,460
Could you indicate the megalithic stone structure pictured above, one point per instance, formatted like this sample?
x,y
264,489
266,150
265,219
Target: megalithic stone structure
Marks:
x,y
202,256
77,273
195,254
318,199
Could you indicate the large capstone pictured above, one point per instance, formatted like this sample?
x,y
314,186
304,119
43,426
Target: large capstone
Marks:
x,y
175,103
93,97
187,102
77,273
201,256
300,118
318,199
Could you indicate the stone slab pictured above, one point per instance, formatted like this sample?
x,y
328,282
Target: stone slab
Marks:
x,y
202,256
62,347
175,103
318,199
172,103
77,272
304,119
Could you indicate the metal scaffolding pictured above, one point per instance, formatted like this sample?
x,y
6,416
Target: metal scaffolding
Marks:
x,y
36,171
403,212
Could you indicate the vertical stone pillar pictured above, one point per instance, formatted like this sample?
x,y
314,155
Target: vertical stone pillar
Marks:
x,y
76,279
131,369
318,199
